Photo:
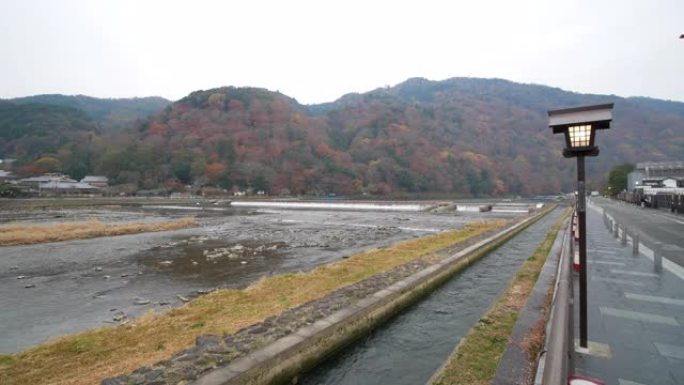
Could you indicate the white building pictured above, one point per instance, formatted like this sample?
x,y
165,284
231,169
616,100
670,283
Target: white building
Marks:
x,y
96,180
5,176
56,185
647,172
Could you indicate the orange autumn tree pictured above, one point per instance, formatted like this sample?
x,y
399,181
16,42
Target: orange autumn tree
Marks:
x,y
214,171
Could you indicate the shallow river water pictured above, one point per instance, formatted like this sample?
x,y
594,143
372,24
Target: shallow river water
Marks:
x,y
52,289
412,346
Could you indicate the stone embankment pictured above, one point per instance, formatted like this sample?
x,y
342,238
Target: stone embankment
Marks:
x,y
277,348
213,351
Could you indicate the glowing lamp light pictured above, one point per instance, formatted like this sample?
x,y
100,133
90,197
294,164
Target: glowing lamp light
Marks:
x,y
580,136
579,126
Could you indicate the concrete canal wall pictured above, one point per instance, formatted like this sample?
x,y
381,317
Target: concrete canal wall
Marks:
x,y
289,356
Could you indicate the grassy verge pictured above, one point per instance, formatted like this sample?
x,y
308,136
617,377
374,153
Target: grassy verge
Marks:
x,y
475,359
89,357
26,235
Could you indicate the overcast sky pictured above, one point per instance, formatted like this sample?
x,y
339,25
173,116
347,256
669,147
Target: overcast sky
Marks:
x,y
316,51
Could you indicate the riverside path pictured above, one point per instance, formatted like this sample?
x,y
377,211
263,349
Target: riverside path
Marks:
x,y
635,307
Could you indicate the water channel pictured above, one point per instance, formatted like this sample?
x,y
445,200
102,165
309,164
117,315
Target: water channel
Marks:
x,y
412,346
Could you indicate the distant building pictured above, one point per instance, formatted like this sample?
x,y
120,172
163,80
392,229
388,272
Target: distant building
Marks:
x,y
671,182
662,169
652,173
56,185
180,195
635,179
6,176
97,181
64,188
33,183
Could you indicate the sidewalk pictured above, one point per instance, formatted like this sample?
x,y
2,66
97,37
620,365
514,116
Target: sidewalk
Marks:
x,y
635,314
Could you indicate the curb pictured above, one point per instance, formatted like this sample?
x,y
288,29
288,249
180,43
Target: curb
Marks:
x,y
514,367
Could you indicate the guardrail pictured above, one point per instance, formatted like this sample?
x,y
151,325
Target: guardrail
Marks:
x,y
557,358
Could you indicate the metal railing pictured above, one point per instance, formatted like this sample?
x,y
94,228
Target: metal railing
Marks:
x,y
556,360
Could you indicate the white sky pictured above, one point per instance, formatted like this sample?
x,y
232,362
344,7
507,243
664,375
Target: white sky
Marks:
x,y
316,51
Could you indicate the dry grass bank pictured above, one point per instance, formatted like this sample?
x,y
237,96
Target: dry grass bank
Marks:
x,y
29,234
475,359
89,357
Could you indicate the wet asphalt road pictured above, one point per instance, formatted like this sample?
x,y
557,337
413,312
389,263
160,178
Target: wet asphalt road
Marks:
x,y
652,225
76,285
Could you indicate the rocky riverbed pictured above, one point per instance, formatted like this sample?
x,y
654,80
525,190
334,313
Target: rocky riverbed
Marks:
x,y
212,351
52,289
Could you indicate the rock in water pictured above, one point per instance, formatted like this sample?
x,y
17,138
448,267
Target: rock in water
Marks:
x,y
119,316
180,297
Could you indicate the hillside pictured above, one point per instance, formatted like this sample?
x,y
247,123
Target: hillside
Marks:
x,y
110,114
230,136
41,120
46,138
50,133
503,126
464,136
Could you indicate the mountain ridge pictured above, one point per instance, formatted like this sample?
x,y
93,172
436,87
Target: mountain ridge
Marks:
x,y
463,136
109,113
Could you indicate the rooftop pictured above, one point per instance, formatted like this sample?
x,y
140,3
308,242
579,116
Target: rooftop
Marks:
x,y
63,185
660,165
94,178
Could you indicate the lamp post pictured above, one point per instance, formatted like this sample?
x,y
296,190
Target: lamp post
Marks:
x,y
579,126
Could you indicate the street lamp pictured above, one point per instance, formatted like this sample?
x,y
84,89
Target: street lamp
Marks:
x,y
579,126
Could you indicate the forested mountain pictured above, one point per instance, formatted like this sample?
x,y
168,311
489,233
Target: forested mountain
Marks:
x,y
471,137
46,138
64,133
109,114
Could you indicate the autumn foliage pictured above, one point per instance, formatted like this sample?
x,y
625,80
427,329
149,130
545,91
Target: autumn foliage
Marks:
x,y
470,137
